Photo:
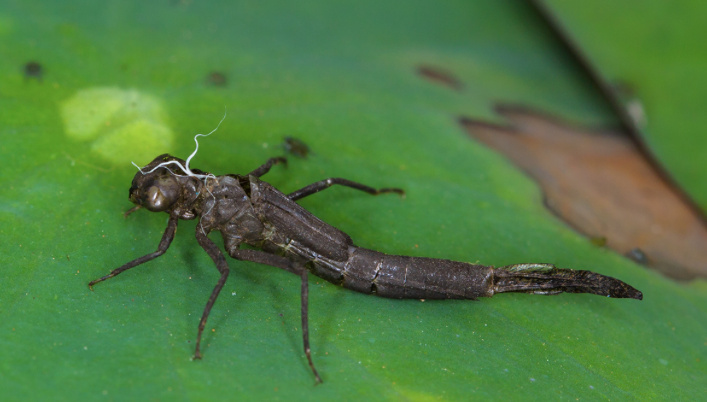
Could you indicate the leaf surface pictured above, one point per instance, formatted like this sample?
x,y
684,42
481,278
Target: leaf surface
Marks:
x,y
344,80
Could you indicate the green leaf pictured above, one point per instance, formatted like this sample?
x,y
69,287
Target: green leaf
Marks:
x,y
651,47
344,81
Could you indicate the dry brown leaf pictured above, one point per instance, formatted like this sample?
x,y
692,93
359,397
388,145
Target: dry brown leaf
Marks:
x,y
599,183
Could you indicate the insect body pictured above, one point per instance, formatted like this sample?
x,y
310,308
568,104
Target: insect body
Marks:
x,y
247,210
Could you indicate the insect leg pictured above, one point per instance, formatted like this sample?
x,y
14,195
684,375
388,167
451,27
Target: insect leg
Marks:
x,y
131,210
324,184
290,266
222,267
305,320
167,238
267,165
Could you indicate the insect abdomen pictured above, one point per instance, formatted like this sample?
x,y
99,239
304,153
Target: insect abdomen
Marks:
x,y
292,226
403,277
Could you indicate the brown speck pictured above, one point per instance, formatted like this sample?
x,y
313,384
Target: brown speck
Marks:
x,y
216,79
296,147
599,241
440,76
33,70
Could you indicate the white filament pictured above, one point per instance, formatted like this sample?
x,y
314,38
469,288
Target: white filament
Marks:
x,y
186,168
187,171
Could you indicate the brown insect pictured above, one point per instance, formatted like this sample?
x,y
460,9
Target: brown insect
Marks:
x,y
247,210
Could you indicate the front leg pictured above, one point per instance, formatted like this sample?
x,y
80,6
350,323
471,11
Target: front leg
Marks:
x,y
264,168
289,266
167,238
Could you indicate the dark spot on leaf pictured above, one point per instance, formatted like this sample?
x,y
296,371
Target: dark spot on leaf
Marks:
x,y
440,76
623,89
637,255
599,241
33,70
600,183
217,79
296,147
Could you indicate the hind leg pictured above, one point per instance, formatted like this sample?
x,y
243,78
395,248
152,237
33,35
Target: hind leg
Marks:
x,y
324,184
295,268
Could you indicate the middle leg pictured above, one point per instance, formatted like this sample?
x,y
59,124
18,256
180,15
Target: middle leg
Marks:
x,y
218,258
324,184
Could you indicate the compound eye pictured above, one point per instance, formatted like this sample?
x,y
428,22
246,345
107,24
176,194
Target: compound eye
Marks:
x,y
155,201
161,195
